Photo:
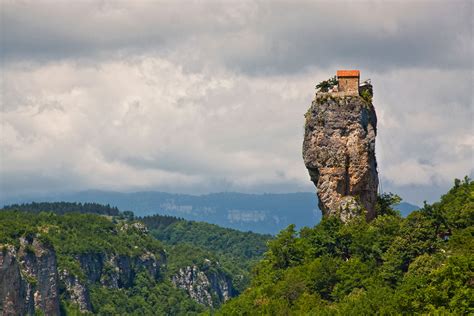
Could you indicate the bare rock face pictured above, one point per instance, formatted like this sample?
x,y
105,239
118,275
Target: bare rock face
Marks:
x,y
13,287
119,271
28,279
209,287
76,291
339,153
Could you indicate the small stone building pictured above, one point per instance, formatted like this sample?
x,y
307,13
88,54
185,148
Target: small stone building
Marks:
x,y
348,81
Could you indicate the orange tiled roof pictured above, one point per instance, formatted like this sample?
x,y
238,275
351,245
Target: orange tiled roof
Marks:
x,y
348,73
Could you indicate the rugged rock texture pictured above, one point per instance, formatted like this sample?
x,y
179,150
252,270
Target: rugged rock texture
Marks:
x,y
76,291
209,287
32,281
118,271
28,279
13,291
339,153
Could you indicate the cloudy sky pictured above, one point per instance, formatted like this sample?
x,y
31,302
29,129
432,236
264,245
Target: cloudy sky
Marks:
x,y
197,97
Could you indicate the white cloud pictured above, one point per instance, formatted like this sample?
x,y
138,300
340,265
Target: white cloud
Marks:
x,y
147,123
425,128
209,97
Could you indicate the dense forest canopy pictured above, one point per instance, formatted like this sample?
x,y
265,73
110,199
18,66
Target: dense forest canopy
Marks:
x,y
190,242
209,236
64,207
420,264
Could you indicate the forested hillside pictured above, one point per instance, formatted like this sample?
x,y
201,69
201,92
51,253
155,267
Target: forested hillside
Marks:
x,y
64,207
116,263
260,213
92,264
191,241
112,264
420,264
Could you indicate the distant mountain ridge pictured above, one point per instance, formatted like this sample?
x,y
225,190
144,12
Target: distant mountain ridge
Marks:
x,y
261,213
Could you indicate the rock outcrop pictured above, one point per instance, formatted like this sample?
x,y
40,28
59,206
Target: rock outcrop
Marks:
x,y
208,286
76,291
339,153
13,286
31,281
118,271
29,278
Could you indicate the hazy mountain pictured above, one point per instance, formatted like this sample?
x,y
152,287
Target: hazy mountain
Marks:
x,y
405,208
262,213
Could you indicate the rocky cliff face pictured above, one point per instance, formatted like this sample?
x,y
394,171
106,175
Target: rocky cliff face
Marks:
x,y
208,286
76,291
118,271
14,295
31,280
28,279
339,153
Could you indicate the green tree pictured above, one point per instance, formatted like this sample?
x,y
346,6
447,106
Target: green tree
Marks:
x,y
283,251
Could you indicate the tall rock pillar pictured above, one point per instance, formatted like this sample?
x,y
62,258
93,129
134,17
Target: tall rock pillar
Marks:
x,y
339,152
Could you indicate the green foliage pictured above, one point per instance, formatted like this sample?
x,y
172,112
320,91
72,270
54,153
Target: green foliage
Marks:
x,y
158,222
146,297
30,279
457,206
63,208
422,264
385,202
68,308
72,231
192,242
126,215
73,234
366,95
283,251
325,85
209,236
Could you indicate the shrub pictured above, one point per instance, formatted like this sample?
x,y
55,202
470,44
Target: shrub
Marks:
x,y
325,85
366,95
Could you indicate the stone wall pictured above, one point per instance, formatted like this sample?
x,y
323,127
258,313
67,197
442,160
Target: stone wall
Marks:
x,y
349,85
